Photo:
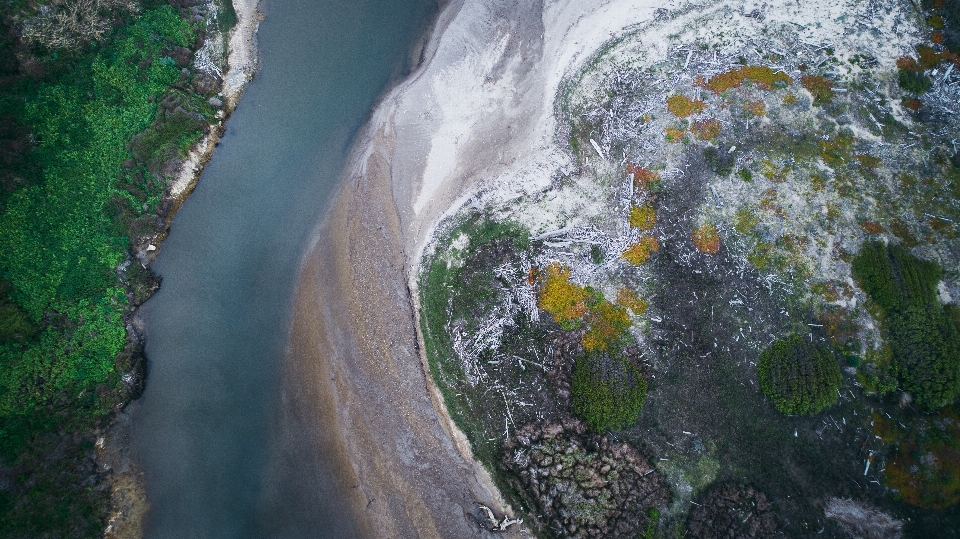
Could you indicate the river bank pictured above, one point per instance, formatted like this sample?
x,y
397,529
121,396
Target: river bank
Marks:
x,y
128,505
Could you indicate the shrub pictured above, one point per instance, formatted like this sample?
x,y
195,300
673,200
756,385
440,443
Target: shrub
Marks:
x,y
706,129
644,178
871,227
631,300
925,466
757,108
640,252
746,221
682,106
924,340
914,82
929,58
674,134
706,239
564,300
606,324
798,376
643,217
721,163
868,161
762,76
819,87
912,104
607,391
68,24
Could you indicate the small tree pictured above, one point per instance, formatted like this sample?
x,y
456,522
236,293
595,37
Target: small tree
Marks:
x,y
608,392
798,376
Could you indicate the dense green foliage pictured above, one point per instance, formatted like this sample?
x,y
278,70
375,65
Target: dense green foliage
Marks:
x,y
69,206
608,392
924,339
798,376
913,81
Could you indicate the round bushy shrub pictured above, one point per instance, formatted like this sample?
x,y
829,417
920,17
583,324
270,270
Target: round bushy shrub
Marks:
x,y
608,392
798,376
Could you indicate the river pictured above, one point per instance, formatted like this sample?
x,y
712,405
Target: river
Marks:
x,y
205,431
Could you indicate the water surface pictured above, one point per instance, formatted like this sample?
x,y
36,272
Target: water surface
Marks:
x,y
217,329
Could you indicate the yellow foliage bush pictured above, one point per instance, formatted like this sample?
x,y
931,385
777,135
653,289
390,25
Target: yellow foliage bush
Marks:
x,y
762,76
674,134
757,108
682,106
640,252
643,217
564,300
606,323
631,300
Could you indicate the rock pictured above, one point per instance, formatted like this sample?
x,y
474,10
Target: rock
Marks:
x,y
215,102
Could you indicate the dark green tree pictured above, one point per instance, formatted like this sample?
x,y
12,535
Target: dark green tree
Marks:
x,y
799,376
924,339
608,391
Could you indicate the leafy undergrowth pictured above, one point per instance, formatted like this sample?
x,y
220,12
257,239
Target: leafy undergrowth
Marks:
x,y
97,121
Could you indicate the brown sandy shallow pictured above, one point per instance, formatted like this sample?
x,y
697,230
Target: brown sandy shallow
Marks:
x,y
354,359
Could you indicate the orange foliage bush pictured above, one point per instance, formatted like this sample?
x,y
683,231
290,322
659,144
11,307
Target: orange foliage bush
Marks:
x,y
929,58
937,38
631,300
643,178
643,217
564,300
640,252
606,323
706,239
682,106
871,227
905,62
819,87
706,129
926,466
762,76
912,104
